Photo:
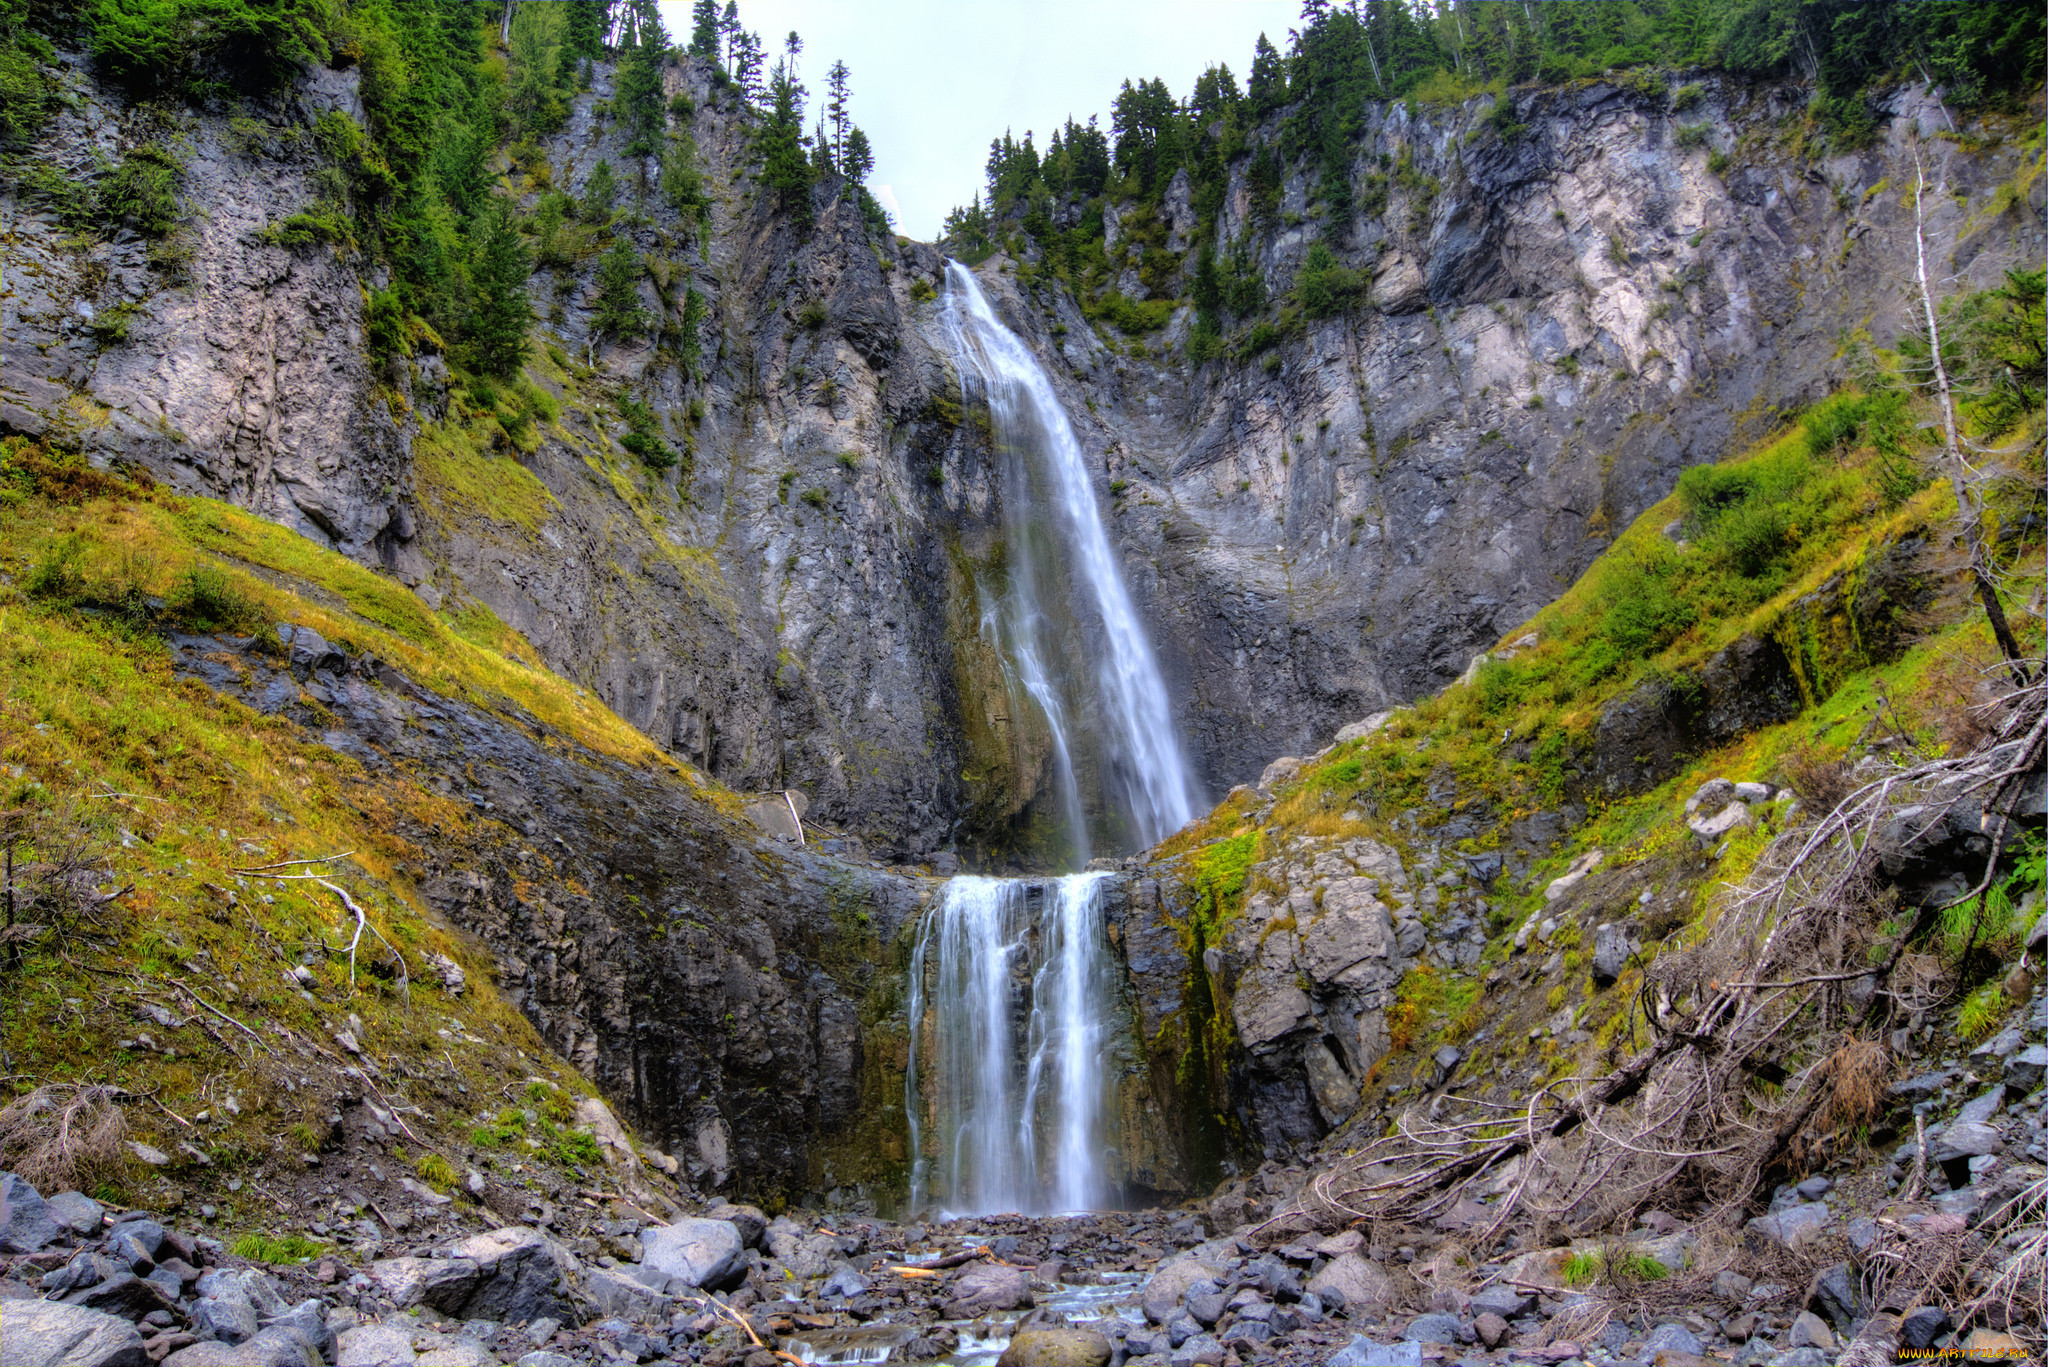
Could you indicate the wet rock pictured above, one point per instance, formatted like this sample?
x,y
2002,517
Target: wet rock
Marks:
x,y
27,1224
1811,1331
1203,1350
375,1345
844,1282
49,1334
706,1254
1057,1348
986,1287
1364,1287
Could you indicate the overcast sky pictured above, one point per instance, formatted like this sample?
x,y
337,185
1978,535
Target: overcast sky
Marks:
x,y
934,80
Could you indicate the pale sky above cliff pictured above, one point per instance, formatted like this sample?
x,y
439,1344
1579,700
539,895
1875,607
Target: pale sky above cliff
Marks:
x,y
934,80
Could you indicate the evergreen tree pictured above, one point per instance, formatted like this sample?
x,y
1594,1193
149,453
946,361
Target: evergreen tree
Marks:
x,y
729,31
784,168
859,158
821,149
586,24
704,29
500,313
600,194
837,94
539,37
637,103
617,312
747,59
1266,91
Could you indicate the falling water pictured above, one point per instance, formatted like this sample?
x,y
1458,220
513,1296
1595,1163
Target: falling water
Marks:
x,y
1046,488
1014,976
1021,997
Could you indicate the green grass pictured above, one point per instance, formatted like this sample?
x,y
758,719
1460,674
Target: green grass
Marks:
x,y
277,1248
1583,1268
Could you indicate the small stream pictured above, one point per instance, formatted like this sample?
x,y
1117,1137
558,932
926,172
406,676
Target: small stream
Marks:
x,y
982,1340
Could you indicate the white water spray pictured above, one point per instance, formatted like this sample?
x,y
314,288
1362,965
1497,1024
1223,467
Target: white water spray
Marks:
x,y
1022,1000
1046,479
1013,978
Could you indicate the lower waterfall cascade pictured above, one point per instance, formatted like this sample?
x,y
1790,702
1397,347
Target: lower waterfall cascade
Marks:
x,y
1013,990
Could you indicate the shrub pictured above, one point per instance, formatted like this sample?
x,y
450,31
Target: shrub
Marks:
x,y
816,497
1325,288
1686,96
144,190
207,600
1692,135
813,314
277,1248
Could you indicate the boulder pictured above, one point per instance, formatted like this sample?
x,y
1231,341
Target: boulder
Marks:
x,y
984,1287
706,1254
1752,793
1811,1331
306,1322
78,1213
1573,876
1492,1330
1614,942
518,1272
27,1224
1436,1328
1281,770
1363,1352
50,1334
1170,1282
1711,830
271,1348
1710,796
2025,1069
628,1297
1057,1348
1920,1329
748,1220
1793,1225
458,1353
1672,1338
441,1284
1509,1302
375,1345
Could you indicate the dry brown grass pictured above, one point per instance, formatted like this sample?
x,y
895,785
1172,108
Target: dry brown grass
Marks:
x,y
64,1137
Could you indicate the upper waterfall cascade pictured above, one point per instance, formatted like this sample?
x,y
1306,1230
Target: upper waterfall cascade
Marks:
x,y
1101,671
1014,996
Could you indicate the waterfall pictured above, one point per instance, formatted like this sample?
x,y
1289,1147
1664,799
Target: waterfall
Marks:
x,y
1022,1002
1013,994
1071,575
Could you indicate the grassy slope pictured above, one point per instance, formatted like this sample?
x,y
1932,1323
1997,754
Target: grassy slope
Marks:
x,y
1822,496
174,788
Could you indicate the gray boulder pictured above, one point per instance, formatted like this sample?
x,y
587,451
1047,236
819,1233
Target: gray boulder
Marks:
x,y
78,1213
1793,1225
1057,1348
1363,1352
50,1334
1613,943
306,1322
1811,1331
1170,1282
225,1319
441,1284
27,1224
2025,1069
984,1287
1672,1338
706,1254
1710,796
844,1282
375,1345
519,1271
748,1220
1435,1329
271,1348
1365,1287
1509,1302
616,1293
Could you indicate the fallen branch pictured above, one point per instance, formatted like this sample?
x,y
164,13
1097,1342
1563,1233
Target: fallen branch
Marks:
x,y
223,1015
363,921
719,1307
291,863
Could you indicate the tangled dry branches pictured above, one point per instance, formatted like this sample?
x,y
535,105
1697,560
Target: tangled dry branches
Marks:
x,y
1804,950
61,1137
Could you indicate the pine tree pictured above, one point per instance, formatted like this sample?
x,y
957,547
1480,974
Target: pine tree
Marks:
x,y
617,312
729,30
499,313
704,29
747,59
637,103
1266,91
600,193
859,158
838,92
784,167
821,149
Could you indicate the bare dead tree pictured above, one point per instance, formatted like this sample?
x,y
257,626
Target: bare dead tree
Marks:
x,y
1961,478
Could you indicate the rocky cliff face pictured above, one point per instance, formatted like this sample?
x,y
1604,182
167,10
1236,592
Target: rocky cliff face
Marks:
x,y
1557,326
